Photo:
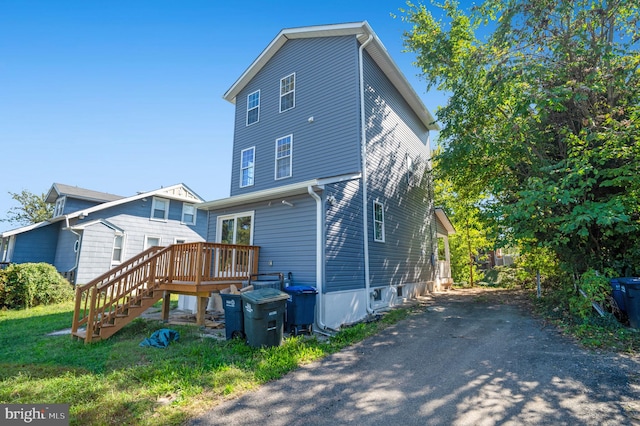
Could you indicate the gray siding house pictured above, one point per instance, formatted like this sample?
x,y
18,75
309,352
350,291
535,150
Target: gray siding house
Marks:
x,y
92,232
331,172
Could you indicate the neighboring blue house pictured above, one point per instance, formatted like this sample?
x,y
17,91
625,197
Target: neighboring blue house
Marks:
x,y
331,172
92,232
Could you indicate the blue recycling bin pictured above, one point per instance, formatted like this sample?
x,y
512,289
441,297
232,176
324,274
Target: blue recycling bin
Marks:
x,y
301,308
630,287
233,315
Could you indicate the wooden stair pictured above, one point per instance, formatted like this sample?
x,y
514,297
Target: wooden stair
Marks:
x,y
122,316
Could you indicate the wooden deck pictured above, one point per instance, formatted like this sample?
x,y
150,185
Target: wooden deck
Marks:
x,y
112,300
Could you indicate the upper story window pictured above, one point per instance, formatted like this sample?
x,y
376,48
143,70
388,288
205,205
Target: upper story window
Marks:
x,y
159,209
253,107
247,165
284,154
288,92
378,221
59,208
188,214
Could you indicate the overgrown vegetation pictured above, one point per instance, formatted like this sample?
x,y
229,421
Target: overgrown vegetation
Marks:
x,y
540,133
27,285
116,381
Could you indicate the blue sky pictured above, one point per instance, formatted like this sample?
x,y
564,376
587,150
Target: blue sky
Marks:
x,y
122,96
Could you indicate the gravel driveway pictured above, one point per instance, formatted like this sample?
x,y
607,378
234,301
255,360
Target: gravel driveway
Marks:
x,y
472,357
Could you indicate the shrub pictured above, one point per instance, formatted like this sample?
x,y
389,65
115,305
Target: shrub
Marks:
x,y
25,285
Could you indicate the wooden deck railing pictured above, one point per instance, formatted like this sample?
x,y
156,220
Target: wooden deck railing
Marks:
x,y
115,296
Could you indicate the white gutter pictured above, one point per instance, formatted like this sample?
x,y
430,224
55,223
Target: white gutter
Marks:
x,y
68,228
319,259
363,138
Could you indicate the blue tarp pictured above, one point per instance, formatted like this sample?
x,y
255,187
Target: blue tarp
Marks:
x,y
161,338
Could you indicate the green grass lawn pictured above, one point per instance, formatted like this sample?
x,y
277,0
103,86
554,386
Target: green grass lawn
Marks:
x,y
115,382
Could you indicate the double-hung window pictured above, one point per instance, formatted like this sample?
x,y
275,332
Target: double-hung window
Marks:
x,y
118,249
247,165
188,214
284,154
288,92
378,221
253,107
159,209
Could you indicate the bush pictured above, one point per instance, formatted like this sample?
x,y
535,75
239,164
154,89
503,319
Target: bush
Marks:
x,y
25,285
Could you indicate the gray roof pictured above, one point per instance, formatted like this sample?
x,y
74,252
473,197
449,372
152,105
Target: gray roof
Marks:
x,y
59,189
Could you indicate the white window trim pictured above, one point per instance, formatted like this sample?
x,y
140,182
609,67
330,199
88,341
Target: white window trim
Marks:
x,y
166,212
146,240
59,207
251,109
375,238
195,214
235,216
291,91
275,172
253,148
117,262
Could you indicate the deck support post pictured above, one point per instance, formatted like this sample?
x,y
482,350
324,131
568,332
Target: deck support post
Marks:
x,y
202,308
166,305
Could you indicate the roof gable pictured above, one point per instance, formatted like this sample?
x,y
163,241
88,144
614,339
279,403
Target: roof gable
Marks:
x,y
362,31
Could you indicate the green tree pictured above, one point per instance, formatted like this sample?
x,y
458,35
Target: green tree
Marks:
x,y
473,232
32,209
543,119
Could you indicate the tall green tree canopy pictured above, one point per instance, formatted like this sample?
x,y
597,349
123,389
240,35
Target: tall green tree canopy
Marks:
x,y
543,118
32,209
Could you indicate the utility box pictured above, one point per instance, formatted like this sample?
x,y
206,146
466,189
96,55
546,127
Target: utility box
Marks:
x,y
301,308
233,315
264,316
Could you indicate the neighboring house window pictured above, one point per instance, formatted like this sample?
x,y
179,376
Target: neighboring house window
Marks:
x,y
59,208
180,241
253,107
118,248
378,221
247,164
151,242
160,209
288,92
188,214
284,148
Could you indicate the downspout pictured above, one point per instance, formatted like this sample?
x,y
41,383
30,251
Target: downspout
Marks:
x,y
363,141
68,227
319,258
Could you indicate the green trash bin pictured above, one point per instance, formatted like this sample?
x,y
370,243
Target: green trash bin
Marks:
x,y
264,316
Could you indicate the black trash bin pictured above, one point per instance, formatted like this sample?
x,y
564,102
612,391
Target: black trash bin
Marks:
x,y
264,316
630,287
301,307
233,315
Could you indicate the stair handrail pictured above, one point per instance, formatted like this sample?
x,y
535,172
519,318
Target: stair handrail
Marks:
x,y
96,299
